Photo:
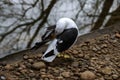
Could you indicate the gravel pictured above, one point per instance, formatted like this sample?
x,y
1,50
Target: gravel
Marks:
x,y
87,75
96,59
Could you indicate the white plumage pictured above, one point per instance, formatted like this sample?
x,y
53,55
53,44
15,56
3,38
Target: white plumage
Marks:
x,y
66,32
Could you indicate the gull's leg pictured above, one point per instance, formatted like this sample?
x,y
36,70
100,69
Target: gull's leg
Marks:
x,y
63,55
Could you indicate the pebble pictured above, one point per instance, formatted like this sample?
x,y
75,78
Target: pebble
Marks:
x,y
23,71
84,62
9,67
25,57
103,46
81,55
50,76
88,75
43,76
17,73
32,75
97,47
22,66
16,65
84,48
106,70
101,78
117,35
2,77
115,76
38,65
94,49
66,74
59,78
39,55
30,60
28,65
33,79
75,52
75,64
103,51
46,78
43,70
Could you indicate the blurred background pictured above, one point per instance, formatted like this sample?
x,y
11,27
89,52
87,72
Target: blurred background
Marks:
x,y
22,22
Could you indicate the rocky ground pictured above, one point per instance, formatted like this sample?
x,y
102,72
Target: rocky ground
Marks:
x,y
93,59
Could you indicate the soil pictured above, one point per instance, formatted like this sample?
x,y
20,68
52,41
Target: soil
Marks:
x,y
96,56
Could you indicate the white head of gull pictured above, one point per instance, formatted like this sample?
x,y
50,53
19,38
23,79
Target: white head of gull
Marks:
x,y
66,32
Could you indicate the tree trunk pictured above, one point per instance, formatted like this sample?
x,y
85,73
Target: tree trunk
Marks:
x,y
115,17
105,10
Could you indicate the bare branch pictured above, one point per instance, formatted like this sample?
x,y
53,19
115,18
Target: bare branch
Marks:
x,y
46,14
105,10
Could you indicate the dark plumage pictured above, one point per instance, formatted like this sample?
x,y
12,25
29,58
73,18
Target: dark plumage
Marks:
x,y
66,32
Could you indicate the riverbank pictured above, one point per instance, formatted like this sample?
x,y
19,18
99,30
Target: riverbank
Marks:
x,y
96,56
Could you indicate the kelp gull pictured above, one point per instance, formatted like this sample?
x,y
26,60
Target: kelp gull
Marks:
x,y
66,33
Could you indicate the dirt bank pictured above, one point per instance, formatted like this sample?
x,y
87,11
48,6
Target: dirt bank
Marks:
x,y
96,56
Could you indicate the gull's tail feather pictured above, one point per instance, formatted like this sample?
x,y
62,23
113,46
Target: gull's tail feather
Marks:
x,y
51,52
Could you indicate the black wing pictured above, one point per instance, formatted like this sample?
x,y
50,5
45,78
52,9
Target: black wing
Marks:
x,y
66,39
45,38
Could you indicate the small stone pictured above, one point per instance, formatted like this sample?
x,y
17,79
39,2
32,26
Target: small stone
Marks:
x,y
103,51
88,75
9,67
59,78
39,55
102,78
30,60
32,75
43,76
75,52
115,76
25,57
38,65
75,64
16,65
117,35
43,70
33,79
22,66
81,55
2,77
50,76
17,73
107,77
56,71
28,65
118,65
66,74
107,71
46,78
104,46
97,47
94,49
84,48
87,57
23,71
